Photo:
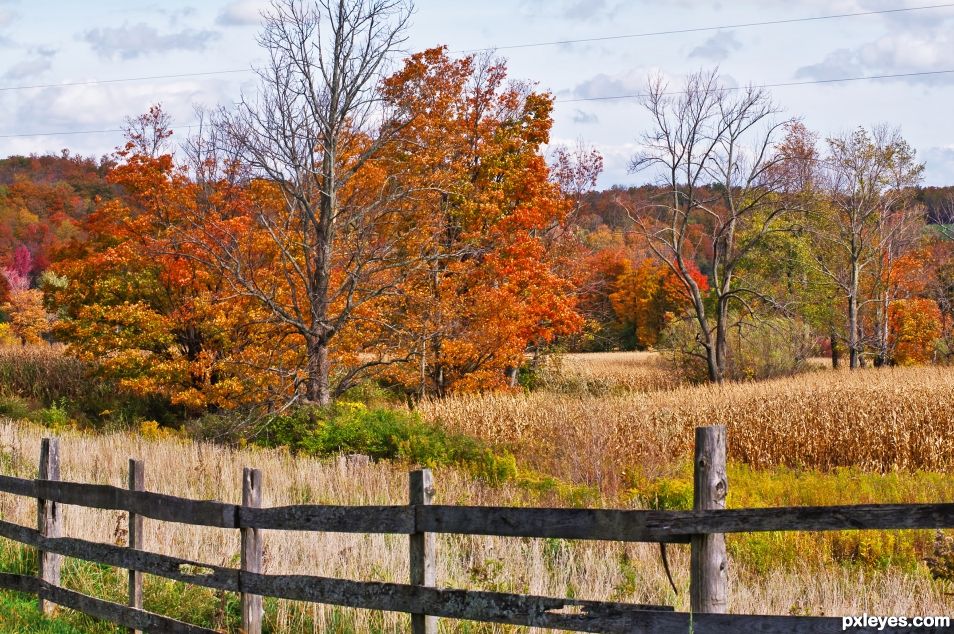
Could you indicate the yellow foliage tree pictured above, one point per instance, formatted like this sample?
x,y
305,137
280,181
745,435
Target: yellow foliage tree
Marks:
x,y
28,319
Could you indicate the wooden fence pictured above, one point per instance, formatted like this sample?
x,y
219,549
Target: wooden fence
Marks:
x,y
703,528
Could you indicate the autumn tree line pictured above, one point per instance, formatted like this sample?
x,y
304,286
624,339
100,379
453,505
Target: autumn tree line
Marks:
x,y
363,217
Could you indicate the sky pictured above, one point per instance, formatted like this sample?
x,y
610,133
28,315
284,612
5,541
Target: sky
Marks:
x,y
45,44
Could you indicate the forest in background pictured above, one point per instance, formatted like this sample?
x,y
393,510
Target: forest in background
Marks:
x,y
413,230
77,236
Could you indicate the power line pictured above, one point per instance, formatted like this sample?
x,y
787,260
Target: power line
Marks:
x,y
775,85
75,132
608,98
93,82
701,29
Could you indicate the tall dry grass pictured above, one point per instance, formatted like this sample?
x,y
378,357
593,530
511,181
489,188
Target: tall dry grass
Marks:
x,y
608,372
595,570
43,373
875,419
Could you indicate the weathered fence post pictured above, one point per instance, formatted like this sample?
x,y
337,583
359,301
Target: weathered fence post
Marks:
x,y
423,562
708,581
49,521
137,482
252,552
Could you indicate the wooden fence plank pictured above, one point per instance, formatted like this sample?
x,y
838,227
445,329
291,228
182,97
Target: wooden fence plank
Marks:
x,y
331,519
422,548
708,561
49,519
657,621
137,482
567,614
119,614
20,583
806,518
596,524
18,486
251,552
184,570
678,526
545,612
157,506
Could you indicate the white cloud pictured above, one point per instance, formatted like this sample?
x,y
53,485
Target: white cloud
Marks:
x,y
603,85
717,47
107,105
584,118
939,165
242,13
39,61
890,54
131,41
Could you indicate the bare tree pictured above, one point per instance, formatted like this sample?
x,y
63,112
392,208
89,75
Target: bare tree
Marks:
x,y
864,224
714,152
316,121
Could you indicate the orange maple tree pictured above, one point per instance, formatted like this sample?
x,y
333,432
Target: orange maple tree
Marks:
x,y
134,300
491,289
649,294
915,330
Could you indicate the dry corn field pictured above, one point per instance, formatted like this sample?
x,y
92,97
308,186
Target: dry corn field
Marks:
x,y
594,570
608,372
876,419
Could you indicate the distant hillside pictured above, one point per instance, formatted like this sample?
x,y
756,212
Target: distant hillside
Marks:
x,y
44,199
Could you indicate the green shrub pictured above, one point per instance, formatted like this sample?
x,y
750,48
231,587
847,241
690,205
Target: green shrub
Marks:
x,y
668,494
56,416
382,434
15,407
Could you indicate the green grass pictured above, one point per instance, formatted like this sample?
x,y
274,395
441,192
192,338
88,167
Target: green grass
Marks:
x,y
19,614
911,550
384,434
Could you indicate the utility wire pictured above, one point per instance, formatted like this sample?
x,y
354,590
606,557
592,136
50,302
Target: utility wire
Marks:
x,y
775,85
701,29
609,98
93,82
72,132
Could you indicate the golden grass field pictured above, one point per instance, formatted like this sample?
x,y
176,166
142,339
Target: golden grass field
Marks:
x,y
609,425
593,570
614,421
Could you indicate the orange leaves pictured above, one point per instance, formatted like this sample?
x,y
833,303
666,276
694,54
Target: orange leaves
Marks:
x,y
28,319
648,294
140,300
439,260
915,327
491,289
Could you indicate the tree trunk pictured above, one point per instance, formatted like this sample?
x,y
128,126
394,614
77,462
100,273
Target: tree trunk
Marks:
x,y
318,389
883,330
835,351
853,339
721,342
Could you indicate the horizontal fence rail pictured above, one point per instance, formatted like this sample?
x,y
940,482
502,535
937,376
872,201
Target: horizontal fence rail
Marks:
x,y
557,523
420,520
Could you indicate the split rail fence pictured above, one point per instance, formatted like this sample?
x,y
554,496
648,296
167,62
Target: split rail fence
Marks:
x,y
703,528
